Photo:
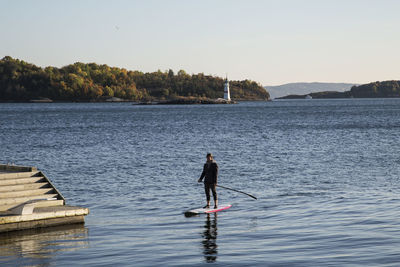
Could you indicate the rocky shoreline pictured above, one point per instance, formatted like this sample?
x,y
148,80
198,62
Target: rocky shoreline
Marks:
x,y
188,101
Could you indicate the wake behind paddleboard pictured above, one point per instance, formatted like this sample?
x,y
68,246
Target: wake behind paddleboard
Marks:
x,y
208,210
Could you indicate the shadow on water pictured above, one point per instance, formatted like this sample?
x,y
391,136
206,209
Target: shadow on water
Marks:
x,y
38,247
209,242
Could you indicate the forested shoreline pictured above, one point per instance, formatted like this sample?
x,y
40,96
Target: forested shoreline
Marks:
x,y
376,89
383,89
21,81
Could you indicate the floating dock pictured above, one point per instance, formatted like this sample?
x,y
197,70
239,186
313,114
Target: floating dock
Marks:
x,y
28,199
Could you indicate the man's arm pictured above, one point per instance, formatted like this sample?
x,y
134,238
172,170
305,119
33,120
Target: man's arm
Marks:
x,y
202,174
216,173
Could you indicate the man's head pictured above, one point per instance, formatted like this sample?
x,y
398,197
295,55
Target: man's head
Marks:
x,y
209,157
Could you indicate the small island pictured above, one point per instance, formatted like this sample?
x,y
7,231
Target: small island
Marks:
x,y
89,82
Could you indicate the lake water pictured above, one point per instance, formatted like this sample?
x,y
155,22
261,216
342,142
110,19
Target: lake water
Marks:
x,y
326,174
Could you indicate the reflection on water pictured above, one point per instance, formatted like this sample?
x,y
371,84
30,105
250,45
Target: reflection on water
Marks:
x,y
37,247
210,238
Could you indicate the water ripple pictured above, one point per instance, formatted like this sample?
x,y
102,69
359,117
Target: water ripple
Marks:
x,y
325,174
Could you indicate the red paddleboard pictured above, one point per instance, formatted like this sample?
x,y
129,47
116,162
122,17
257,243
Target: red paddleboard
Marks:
x,y
207,210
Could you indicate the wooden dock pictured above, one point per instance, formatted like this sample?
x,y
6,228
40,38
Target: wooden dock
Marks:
x,y
28,199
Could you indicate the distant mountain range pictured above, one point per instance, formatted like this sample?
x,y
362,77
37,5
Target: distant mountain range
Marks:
x,y
306,88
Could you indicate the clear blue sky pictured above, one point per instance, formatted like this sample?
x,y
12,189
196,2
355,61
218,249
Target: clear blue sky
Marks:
x,y
271,42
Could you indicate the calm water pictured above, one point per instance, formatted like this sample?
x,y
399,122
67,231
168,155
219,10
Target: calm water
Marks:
x,y
326,174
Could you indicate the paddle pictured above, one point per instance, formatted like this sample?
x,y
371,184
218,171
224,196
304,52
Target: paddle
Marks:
x,y
236,191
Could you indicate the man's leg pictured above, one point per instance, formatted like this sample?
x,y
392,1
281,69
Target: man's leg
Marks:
x,y
207,190
214,192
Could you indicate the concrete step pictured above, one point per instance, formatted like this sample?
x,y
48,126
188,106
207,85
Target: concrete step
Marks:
x,y
25,193
43,217
39,204
17,181
19,200
12,175
27,186
49,203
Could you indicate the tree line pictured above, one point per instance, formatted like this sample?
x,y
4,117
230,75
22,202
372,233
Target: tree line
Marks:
x,y
22,81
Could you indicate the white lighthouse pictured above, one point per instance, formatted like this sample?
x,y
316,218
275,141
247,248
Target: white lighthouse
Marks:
x,y
227,95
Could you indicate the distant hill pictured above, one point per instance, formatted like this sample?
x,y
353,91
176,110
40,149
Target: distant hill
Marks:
x,y
306,88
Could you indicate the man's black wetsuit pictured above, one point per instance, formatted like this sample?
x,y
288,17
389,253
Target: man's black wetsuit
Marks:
x,y
210,172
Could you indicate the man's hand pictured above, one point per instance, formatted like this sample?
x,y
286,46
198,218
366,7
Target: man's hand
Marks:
x,y
199,181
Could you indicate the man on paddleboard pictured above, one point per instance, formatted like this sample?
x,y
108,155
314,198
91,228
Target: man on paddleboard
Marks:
x,y
210,172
